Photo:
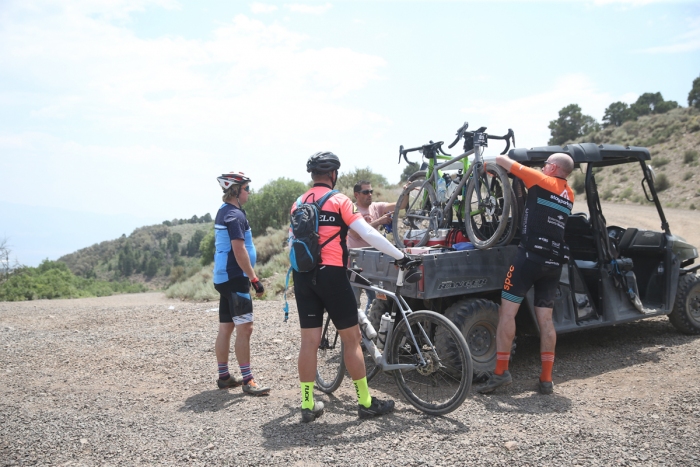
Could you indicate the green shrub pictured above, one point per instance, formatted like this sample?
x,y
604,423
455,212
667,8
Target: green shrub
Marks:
x,y
271,205
623,179
277,264
198,286
692,207
687,176
207,248
607,194
626,193
660,161
270,244
691,155
53,279
662,183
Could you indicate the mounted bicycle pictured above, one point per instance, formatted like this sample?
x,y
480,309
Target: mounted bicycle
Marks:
x,y
427,354
486,195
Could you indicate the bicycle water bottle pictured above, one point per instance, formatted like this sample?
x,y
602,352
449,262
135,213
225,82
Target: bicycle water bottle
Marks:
x,y
383,330
441,190
366,326
451,187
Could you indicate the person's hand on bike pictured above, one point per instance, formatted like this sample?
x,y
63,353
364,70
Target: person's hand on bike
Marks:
x,y
407,263
385,219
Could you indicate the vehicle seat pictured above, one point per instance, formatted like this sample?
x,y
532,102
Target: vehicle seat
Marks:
x,y
578,234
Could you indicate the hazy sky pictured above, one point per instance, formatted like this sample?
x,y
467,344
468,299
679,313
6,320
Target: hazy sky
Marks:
x,y
119,113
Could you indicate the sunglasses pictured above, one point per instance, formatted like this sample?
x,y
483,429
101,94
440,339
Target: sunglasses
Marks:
x,y
546,163
247,188
366,192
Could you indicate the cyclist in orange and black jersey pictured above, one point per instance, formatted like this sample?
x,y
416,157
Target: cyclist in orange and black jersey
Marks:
x,y
540,257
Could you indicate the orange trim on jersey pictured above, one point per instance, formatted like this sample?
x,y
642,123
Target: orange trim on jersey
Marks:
x,y
532,177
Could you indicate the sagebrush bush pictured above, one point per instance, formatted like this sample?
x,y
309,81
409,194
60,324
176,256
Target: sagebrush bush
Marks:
x,y
689,156
662,183
579,183
196,287
660,161
270,244
277,264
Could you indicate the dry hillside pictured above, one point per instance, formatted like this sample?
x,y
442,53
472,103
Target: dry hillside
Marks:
x,y
673,139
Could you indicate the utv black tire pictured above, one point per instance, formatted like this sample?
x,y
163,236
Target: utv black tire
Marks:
x,y
685,316
477,320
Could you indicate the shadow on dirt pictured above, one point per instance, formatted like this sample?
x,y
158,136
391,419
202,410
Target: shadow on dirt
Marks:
x,y
287,431
579,356
213,401
586,354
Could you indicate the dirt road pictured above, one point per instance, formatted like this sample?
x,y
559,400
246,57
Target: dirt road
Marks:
x,y
130,380
683,223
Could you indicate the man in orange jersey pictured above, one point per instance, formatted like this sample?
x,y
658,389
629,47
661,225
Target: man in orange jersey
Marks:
x,y
326,288
540,257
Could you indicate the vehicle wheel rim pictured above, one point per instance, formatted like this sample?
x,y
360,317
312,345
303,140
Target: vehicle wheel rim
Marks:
x,y
480,340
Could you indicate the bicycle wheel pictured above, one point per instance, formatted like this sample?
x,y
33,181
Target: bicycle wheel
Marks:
x,y
420,215
330,367
442,385
488,207
511,221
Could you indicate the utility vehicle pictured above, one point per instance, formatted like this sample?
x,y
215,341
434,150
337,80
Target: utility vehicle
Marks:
x,y
616,274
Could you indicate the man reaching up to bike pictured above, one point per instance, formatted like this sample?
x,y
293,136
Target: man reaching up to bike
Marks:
x,y
540,257
327,288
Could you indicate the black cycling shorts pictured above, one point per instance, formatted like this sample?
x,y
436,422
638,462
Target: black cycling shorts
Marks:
x,y
235,304
527,270
332,292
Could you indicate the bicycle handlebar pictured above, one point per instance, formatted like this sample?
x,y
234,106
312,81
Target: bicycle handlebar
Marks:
x,y
428,150
462,132
414,262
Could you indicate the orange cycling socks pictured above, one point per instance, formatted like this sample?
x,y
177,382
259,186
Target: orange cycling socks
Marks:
x,y
547,364
502,359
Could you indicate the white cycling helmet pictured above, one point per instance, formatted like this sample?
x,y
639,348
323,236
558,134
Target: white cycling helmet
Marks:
x,y
227,180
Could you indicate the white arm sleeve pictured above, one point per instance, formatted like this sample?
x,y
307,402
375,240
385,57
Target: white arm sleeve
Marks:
x,y
374,238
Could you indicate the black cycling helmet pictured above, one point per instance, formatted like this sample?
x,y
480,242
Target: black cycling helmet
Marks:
x,y
322,162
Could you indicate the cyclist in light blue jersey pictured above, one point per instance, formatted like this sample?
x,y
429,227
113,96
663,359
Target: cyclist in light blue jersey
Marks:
x,y
234,259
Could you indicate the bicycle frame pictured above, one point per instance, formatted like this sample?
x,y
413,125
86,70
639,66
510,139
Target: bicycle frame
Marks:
x,y
433,173
377,355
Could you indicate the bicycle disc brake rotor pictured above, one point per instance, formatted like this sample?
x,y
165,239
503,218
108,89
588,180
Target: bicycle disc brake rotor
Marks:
x,y
432,363
489,205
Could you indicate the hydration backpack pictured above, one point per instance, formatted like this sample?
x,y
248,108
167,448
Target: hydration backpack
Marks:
x,y
305,253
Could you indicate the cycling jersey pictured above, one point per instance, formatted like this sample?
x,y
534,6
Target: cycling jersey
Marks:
x,y
231,224
548,206
336,215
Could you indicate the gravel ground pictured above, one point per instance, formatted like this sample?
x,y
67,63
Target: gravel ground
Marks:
x,y
130,380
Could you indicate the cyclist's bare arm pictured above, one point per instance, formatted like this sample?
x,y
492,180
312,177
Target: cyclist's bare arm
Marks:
x,y
505,162
374,238
243,260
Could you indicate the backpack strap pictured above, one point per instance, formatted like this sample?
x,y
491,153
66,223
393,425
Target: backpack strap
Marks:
x,y
320,204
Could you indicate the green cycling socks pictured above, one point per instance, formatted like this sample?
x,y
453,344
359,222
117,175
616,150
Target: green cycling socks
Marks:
x,y
307,395
363,397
